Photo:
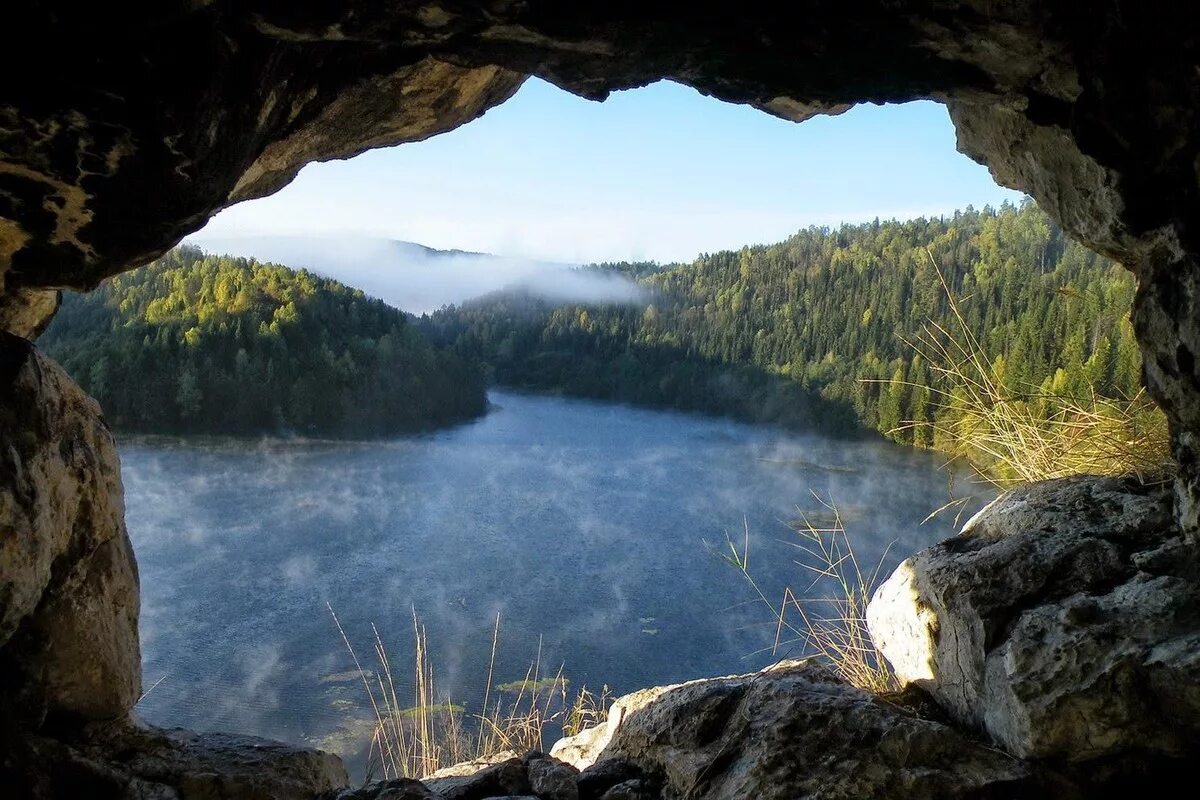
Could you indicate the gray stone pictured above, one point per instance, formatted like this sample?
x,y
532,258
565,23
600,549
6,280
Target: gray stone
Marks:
x,y
635,789
229,767
505,778
68,581
1063,621
796,731
602,776
468,768
396,789
584,748
551,779
125,762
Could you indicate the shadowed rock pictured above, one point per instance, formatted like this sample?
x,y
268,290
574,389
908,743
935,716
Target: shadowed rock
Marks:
x,y
125,762
797,731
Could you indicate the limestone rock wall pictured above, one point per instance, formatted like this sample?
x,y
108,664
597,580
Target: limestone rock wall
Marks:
x,y
70,665
68,581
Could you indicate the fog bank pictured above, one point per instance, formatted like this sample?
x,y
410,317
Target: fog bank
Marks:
x,y
419,279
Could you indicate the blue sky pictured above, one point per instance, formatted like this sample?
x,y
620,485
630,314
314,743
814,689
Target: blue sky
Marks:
x,y
661,173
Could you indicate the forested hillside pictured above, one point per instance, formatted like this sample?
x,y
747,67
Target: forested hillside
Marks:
x,y
199,343
818,329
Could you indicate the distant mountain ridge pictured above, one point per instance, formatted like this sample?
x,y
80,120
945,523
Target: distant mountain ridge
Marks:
x,y
246,245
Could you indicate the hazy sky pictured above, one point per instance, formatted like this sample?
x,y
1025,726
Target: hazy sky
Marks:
x,y
660,173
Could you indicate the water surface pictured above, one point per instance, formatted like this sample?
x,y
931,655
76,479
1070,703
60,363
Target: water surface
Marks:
x,y
588,526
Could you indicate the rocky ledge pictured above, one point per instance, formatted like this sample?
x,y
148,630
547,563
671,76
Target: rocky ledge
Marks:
x,y
791,731
126,761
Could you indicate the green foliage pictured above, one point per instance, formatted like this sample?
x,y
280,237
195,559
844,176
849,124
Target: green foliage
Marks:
x,y
618,353
817,329
212,344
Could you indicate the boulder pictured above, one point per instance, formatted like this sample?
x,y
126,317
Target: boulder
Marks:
x,y
467,768
535,776
551,779
68,581
797,731
584,748
396,789
227,766
630,790
1064,621
599,779
508,777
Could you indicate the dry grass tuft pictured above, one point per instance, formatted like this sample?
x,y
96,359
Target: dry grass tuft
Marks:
x,y
433,732
1014,436
829,619
586,710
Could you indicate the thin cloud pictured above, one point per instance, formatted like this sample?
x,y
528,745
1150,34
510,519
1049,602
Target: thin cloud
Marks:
x,y
418,279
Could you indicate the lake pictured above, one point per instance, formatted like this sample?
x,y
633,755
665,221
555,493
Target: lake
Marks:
x,y
589,527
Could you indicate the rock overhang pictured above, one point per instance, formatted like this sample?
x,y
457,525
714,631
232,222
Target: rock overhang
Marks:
x,y
155,119
161,118
133,126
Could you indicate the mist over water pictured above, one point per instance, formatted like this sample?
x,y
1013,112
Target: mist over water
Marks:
x,y
419,279
584,524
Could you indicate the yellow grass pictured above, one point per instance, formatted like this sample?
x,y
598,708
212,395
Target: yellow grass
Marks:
x,y
417,738
829,618
1028,434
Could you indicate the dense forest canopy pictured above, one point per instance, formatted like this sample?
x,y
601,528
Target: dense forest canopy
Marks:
x,y
819,329
215,344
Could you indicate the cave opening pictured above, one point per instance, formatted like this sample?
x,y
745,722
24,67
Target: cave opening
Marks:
x,y
170,115
241,543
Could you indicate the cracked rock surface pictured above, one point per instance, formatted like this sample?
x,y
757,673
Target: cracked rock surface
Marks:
x,y
1064,621
123,761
